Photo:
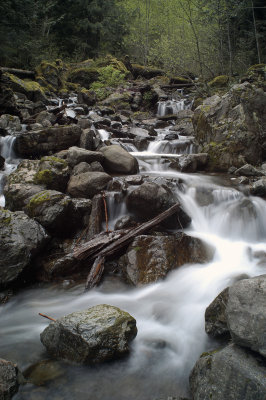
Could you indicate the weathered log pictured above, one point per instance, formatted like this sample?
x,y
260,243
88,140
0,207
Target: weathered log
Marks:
x,y
21,73
95,274
177,85
96,216
92,250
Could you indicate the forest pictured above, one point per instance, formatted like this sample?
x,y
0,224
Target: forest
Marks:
x,y
203,37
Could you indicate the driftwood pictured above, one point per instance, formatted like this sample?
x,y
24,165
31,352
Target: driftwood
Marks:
x,y
108,243
21,73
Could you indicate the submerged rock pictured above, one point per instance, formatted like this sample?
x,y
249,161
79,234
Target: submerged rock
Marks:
x,y
246,313
101,333
21,239
10,378
232,373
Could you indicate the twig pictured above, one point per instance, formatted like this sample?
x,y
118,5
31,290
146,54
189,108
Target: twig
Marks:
x,y
95,274
46,316
105,210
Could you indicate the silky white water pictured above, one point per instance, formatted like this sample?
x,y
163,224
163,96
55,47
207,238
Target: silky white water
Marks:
x,y
11,162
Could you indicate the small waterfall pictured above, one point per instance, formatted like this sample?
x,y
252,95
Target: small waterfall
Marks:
x,y
7,147
104,135
171,107
11,162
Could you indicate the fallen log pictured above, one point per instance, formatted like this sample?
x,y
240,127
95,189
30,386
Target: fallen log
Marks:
x,y
177,85
107,243
119,238
21,73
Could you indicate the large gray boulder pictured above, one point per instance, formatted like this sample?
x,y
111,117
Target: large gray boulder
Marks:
x,y
116,159
17,195
149,258
10,378
21,239
42,142
232,128
87,184
246,313
232,373
99,334
53,173
77,155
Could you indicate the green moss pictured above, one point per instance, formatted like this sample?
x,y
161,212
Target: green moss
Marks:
x,y
44,177
145,72
219,81
5,218
55,161
84,76
39,199
256,67
179,80
113,62
25,84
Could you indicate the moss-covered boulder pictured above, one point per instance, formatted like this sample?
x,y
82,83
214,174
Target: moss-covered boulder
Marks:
x,y
145,72
179,80
53,210
21,238
50,75
31,89
112,61
219,81
101,333
86,96
84,76
53,173
232,128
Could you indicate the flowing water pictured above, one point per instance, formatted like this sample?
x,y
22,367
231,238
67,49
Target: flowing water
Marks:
x,y
169,314
11,162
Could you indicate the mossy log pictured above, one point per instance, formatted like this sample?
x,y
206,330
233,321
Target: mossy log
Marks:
x,y
21,73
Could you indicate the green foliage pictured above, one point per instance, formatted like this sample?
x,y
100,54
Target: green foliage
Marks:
x,y
108,77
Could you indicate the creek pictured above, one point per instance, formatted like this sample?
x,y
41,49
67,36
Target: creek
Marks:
x,y
169,314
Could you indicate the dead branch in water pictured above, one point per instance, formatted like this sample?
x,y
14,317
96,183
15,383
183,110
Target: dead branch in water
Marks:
x,y
46,316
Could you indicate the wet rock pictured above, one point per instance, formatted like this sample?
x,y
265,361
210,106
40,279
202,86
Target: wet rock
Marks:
x,y
42,142
190,162
87,184
88,140
45,116
231,373
138,132
84,123
53,173
149,258
184,127
53,210
116,159
80,168
215,318
150,199
101,333
9,123
31,89
77,155
21,239
171,136
10,379
204,196
125,222
87,97
248,170
246,313
134,179
2,163
258,188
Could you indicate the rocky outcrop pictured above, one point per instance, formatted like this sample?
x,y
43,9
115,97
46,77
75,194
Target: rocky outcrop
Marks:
x,y
149,258
231,128
42,142
118,160
232,373
21,239
10,379
246,313
101,333
87,184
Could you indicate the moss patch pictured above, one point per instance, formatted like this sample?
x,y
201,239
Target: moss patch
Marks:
x,y
219,81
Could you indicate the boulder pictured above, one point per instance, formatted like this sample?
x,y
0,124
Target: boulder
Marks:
x,y
116,159
101,333
10,379
49,74
83,76
31,89
246,313
87,184
232,373
24,173
42,142
190,162
139,132
45,116
258,188
77,155
231,128
17,195
150,199
2,163
219,81
248,170
53,173
215,318
21,239
87,97
149,258
88,139
53,210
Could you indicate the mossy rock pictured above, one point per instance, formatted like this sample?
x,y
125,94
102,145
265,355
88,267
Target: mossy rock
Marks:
x,y
145,72
257,67
114,62
31,89
179,80
53,173
50,74
83,76
219,81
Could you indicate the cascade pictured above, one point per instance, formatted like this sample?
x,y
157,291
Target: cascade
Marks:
x,y
169,314
11,161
